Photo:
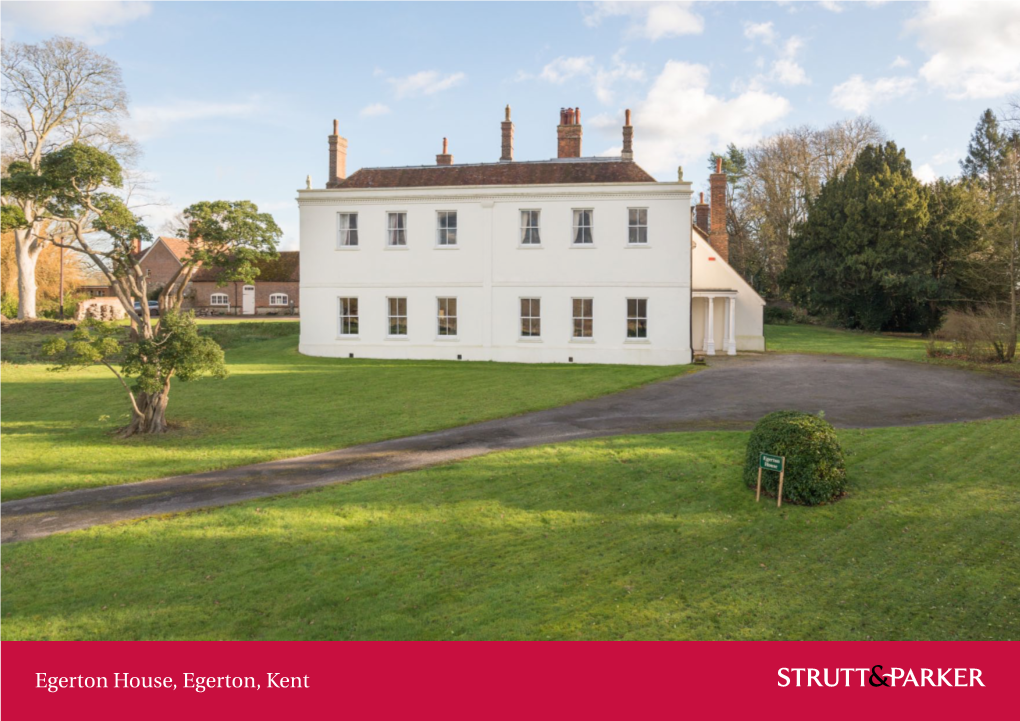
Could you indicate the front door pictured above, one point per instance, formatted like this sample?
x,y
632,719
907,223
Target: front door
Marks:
x,y
248,300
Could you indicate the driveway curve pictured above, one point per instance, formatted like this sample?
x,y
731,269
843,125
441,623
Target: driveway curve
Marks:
x,y
732,393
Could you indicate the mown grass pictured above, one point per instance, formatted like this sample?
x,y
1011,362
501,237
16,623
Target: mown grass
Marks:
x,y
818,339
57,428
648,537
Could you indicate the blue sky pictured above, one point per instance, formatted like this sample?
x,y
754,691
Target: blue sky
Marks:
x,y
235,99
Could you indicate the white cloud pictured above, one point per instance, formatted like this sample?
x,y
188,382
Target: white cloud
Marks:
x,y
148,121
651,20
760,31
974,50
601,78
925,173
831,6
858,94
680,121
899,62
426,82
371,111
92,22
563,69
944,157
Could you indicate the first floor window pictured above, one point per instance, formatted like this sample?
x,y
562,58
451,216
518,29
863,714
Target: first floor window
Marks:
x,y
278,299
583,227
529,228
348,230
583,317
637,317
447,316
219,299
348,316
637,226
531,317
446,227
396,229
397,316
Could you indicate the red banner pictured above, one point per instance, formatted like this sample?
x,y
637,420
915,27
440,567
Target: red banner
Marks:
x,y
508,680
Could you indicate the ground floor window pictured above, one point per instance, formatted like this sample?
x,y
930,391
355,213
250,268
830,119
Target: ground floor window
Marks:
x,y
348,316
278,299
447,316
219,299
637,317
397,316
531,317
583,317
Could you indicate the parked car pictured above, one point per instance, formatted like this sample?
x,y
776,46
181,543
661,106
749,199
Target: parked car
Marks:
x,y
153,307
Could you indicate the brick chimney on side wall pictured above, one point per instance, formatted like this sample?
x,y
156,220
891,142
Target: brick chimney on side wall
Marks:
x,y
337,158
444,158
568,133
628,138
507,127
701,213
717,234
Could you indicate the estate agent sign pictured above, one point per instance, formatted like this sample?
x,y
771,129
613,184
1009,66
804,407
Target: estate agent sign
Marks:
x,y
768,462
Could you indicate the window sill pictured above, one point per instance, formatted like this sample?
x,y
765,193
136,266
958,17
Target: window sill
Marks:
x,y
529,340
582,340
637,341
582,246
529,246
396,337
447,339
638,245
348,337
395,247
447,247
348,247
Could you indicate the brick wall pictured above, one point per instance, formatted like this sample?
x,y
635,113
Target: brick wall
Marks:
x,y
160,266
201,292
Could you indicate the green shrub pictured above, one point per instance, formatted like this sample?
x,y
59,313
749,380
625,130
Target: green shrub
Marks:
x,y
815,467
778,315
9,305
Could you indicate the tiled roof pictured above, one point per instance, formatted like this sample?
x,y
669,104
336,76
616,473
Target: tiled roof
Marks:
x,y
177,246
567,171
284,268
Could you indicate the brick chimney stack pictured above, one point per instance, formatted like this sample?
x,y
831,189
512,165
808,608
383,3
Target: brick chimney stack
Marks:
x,y
628,138
717,235
568,133
701,213
444,158
508,139
337,157
136,246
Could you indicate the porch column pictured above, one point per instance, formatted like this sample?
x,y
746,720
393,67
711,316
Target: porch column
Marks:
x,y
731,340
710,329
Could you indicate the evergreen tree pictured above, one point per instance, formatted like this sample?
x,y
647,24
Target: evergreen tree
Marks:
x,y
984,153
861,253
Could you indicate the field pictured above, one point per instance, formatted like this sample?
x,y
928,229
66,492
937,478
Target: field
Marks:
x,y
650,537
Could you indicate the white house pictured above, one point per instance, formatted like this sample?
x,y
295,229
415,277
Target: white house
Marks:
x,y
584,260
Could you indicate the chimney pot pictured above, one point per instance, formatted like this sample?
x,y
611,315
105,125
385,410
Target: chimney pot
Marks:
x,y
568,134
718,165
626,115
445,158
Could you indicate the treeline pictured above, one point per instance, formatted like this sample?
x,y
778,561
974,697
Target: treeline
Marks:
x,y
835,221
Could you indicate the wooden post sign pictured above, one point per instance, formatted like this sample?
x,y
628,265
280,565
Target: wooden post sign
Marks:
x,y
768,462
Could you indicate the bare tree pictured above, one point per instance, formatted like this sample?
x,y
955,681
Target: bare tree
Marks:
x,y
54,94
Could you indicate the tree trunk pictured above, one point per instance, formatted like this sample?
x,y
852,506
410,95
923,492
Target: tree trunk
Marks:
x,y
151,415
27,254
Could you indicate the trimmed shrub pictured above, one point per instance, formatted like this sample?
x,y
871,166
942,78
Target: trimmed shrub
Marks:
x,y
815,467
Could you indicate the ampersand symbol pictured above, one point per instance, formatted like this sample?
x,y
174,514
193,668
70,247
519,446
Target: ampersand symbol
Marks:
x,y
876,677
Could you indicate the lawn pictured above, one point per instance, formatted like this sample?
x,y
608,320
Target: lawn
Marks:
x,y
648,537
57,428
817,339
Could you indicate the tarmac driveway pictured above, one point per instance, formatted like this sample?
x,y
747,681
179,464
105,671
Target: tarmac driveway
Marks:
x,y
732,393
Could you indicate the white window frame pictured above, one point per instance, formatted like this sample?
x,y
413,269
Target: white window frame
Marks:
x,y
391,230
530,318
274,296
443,234
525,226
575,226
575,318
440,309
390,316
344,237
341,316
639,226
637,316
214,296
